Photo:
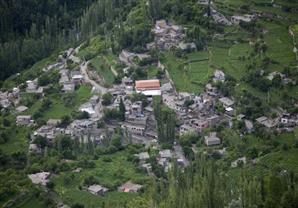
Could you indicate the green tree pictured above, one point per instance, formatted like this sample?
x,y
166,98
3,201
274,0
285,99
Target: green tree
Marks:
x,y
122,110
107,99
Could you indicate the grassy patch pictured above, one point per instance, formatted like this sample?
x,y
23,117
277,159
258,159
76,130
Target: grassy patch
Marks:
x,y
227,59
32,203
189,75
58,108
103,67
282,159
152,71
280,45
91,48
18,140
294,29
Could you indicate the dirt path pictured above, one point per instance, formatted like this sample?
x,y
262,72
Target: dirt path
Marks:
x,y
295,50
112,67
84,70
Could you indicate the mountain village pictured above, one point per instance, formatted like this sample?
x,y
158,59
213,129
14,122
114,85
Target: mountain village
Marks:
x,y
195,112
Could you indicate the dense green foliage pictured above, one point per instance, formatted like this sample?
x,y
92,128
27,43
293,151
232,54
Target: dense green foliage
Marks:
x,y
166,121
31,30
204,185
28,38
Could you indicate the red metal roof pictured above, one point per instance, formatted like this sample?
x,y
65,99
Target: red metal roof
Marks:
x,y
153,84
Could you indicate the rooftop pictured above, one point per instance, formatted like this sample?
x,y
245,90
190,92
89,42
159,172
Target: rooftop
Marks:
x,y
148,84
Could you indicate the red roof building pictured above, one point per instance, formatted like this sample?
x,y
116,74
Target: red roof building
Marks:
x,y
148,87
153,84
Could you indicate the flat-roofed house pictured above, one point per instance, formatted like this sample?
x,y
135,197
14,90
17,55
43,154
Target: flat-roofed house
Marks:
x,y
187,46
76,77
21,109
236,19
269,123
24,120
134,129
199,124
98,190
227,102
68,87
212,139
148,87
186,129
40,178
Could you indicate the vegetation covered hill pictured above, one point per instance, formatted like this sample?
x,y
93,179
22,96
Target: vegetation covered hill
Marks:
x,y
259,58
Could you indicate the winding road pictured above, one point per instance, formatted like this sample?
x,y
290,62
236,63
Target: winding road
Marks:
x,y
84,71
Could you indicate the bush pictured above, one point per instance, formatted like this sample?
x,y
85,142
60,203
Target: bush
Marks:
x,y
69,99
112,114
77,205
81,115
90,180
49,78
6,122
107,99
50,185
41,141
